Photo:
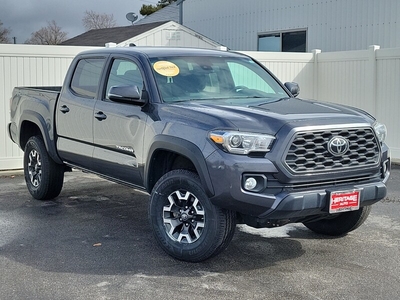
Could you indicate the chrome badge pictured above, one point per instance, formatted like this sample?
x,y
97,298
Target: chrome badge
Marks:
x,y
338,146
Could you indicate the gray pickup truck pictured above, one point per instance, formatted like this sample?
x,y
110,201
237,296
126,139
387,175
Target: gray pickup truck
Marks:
x,y
212,136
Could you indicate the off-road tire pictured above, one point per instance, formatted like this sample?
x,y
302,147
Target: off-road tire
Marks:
x,y
44,177
185,223
341,224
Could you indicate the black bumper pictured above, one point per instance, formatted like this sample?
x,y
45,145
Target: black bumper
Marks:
x,y
287,203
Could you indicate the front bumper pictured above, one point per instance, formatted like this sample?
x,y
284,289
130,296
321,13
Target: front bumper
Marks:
x,y
227,171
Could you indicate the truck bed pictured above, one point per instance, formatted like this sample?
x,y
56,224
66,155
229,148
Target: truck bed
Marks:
x,y
42,88
38,106
40,93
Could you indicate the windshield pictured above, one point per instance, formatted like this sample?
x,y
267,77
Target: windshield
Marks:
x,y
197,78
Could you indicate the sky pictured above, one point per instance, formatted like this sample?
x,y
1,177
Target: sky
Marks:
x,y
23,17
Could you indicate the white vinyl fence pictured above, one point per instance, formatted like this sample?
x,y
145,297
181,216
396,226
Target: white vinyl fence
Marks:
x,y
366,79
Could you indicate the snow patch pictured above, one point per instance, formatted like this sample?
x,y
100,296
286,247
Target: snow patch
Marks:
x,y
276,232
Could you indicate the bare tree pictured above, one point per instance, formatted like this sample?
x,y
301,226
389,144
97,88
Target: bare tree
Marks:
x,y
50,35
93,20
4,32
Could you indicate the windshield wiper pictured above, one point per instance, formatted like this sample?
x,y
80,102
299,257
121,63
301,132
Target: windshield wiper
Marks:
x,y
273,100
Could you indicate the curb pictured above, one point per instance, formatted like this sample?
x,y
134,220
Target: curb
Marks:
x,y
10,173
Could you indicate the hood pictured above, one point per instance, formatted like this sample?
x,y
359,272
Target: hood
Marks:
x,y
267,117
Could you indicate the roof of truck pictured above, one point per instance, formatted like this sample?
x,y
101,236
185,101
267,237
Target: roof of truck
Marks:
x,y
164,51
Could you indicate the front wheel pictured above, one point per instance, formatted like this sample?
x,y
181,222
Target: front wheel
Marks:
x,y
44,177
185,223
340,224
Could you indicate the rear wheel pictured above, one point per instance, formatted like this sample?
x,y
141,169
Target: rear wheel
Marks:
x,y
341,224
185,223
44,178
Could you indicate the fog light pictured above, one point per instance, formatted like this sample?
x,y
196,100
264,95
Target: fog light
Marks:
x,y
254,183
250,183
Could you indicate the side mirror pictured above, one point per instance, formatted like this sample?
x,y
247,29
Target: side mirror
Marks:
x,y
125,94
293,88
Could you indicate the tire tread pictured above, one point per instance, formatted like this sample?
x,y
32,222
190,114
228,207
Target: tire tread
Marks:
x,y
342,224
52,173
225,228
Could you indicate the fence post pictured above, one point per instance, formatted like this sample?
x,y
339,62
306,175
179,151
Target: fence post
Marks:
x,y
315,53
371,79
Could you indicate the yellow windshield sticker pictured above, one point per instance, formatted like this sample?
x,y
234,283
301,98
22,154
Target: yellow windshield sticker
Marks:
x,y
166,68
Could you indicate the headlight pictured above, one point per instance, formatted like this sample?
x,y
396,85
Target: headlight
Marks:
x,y
242,142
380,131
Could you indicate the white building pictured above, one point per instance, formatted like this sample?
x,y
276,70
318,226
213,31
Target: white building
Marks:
x,y
296,25
164,33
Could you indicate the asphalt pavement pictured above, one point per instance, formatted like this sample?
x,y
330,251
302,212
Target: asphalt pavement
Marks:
x,y
94,242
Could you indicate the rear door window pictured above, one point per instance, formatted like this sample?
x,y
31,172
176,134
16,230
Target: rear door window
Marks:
x,y
86,78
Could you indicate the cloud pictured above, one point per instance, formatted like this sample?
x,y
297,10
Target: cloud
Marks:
x,y
26,16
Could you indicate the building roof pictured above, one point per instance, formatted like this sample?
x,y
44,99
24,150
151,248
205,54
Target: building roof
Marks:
x,y
168,13
99,37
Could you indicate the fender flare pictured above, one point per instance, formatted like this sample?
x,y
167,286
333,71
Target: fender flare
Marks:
x,y
45,128
184,148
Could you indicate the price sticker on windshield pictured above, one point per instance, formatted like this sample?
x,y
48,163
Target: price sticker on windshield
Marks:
x,y
344,201
166,68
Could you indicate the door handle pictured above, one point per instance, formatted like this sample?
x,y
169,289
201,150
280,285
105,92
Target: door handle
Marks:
x,y
64,109
100,116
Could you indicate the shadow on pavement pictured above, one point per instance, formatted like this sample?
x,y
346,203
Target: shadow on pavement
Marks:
x,y
97,227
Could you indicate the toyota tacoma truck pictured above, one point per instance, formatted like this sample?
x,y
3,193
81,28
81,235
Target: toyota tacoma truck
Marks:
x,y
213,137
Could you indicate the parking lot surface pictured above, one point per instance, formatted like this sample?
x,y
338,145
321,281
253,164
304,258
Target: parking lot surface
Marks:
x,y
94,242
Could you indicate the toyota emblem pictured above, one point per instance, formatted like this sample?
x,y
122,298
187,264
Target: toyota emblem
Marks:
x,y
338,146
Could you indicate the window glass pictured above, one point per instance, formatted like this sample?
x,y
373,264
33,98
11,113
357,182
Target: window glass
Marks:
x,y
201,78
86,78
295,41
270,43
124,73
248,78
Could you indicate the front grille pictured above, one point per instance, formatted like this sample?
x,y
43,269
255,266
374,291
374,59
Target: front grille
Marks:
x,y
309,151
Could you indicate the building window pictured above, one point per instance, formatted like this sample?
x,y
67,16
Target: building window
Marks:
x,y
293,41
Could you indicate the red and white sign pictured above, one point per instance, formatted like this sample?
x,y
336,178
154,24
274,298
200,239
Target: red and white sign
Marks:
x,y
344,201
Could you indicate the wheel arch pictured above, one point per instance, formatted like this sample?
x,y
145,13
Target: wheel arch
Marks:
x,y
168,153
32,123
